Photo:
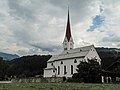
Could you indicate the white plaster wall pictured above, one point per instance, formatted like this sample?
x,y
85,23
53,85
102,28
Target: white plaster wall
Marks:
x,y
68,64
48,73
93,54
48,65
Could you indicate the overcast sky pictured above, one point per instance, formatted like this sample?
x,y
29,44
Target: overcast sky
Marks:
x,y
30,27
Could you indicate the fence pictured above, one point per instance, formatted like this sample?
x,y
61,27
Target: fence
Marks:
x,y
40,80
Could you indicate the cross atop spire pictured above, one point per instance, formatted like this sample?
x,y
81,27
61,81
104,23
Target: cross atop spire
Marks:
x,y
68,29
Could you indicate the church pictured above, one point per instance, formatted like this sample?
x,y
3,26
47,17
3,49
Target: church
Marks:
x,y
65,64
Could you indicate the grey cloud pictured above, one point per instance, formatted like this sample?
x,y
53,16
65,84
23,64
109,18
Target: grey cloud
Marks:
x,y
113,38
19,11
50,47
22,52
79,9
42,14
118,45
39,27
31,51
40,49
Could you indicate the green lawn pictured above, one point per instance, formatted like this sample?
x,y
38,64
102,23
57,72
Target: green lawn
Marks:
x,y
58,86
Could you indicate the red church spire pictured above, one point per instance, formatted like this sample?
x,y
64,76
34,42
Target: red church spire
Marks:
x,y
68,29
68,41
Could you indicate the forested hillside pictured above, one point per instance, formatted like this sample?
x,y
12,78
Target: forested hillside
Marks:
x,y
108,56
26,66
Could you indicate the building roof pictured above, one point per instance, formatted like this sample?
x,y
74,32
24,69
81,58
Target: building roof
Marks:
x,y
73,53
49,68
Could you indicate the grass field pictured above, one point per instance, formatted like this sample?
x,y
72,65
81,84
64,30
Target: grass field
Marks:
x,y
58,86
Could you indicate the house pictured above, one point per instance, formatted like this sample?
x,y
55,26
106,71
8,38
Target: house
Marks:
x,y
111,73
65,64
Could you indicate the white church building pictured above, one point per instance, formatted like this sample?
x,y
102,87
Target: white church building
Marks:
x,y
65,64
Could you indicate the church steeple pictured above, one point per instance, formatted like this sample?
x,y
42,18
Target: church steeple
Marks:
x,y
68,41
68,29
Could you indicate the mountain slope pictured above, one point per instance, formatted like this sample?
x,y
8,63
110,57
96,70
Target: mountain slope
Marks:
x,y
7,56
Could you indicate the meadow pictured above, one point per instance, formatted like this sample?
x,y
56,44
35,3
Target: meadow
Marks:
x,y
58,86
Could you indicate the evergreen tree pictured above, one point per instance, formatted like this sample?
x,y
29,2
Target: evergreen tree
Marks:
x,y
88,71
3,67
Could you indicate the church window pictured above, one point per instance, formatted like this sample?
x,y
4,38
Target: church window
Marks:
x,y
75,61
80,50
61,62
58,70
65,70
53,70
52,64
71,69
67,52
65,48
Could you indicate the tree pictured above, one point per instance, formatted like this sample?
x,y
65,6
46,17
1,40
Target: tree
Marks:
x,y
3,67
88,71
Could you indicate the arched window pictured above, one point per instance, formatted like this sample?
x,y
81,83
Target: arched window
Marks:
x,y
71,69
52,64
61,62
80,50
53,71
58,70
65,70
75,61
65,48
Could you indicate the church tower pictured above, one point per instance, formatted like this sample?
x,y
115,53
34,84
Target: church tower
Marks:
x,y
68,41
